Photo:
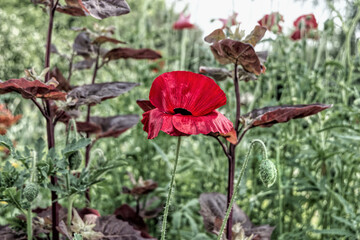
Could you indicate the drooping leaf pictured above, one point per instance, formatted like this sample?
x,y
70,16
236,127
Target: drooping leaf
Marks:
x,y
145,105
101,9
104,39
70,10
63,83
116,229
114,126
88,127
256,35
85,64
229,51
95,93
215,36
213,208
268,116
218,74
82,45
32,89
127,213
5,141
125,53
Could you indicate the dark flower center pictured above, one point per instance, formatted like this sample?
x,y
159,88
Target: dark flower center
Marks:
x,y
182,111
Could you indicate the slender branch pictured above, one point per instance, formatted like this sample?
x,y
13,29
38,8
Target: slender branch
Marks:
x,y
238,101
39,107
242,135
225,149
70,66
58,117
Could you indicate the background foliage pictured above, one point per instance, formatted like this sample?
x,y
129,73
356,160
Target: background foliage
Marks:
x,y
317,193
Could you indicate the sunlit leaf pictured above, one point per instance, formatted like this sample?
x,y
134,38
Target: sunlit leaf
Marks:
x,y
256,35
118,53
31,89
95,93
218,74
215,36
268,116
101,9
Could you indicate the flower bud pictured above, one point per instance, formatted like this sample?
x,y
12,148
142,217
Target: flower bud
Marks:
x,y
75,160
268,172
31,191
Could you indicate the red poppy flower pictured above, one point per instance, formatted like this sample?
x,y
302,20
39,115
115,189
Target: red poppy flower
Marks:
x,y
184,104
307,21
183,22
271,22
231,20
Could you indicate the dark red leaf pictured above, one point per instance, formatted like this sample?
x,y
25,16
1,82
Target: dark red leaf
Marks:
x,y
230,51
151,208
63,83
88,127
118,53
101,9
104,39
116,229
268,116
213,208
82,45
32,89
144,187
85,64
95,93
218,74
126,213
114,126
73,11
145,105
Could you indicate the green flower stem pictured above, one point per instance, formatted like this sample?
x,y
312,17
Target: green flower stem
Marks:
x,y
184,40
29,223
168,200
69,212
233,198
280,186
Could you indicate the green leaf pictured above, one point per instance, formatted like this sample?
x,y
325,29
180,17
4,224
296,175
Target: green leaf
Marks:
x,y
5,141
39,148
75,145
340,232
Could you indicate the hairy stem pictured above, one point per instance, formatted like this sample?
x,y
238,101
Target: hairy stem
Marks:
x,y
29,223
168,199
228,214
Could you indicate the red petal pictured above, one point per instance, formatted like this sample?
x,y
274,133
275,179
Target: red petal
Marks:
x,y
183,22
154,121
214,122
194,92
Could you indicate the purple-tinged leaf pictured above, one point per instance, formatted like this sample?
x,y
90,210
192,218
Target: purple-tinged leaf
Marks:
x,y
114,126
104,39
73,11
230,51
116,229
218,74
95,93
6,233
88,127
145,105
256,35
63,83
126,213
215,36
82,45
85,64
213,208
101,9
268,116
118,53
32,89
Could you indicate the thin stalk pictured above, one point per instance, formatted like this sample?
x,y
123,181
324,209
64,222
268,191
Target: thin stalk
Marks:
x,y
233,197
184,40
69,212
49,123
168,199
29,224
280,190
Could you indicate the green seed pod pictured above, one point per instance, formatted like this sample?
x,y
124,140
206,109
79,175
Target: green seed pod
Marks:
x,y
31,191
75,160
268,172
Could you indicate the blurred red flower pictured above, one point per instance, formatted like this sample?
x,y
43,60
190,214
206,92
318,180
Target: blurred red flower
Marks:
x,y
183,22
184,104
272,22
6,119
305,26
230,21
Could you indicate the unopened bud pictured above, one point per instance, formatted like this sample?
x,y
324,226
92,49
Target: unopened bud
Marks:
x,y
268,172
31,191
